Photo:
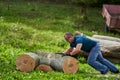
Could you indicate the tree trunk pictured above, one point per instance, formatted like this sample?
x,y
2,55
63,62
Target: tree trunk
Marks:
x,y
106,38
44,68
106,43
59,62
114,60
111,49
8,4
27,62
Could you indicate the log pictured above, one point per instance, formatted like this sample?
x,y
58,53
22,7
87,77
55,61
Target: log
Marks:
x,y
27,62
45,58
111,49
67,64
110,56
113,60
105,54
44,68
106,38
105,43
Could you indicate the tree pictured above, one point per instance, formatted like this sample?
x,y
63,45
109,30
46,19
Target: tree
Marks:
x,y
8,4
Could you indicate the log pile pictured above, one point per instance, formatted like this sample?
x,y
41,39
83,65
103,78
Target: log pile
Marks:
x,y
46,62
110,47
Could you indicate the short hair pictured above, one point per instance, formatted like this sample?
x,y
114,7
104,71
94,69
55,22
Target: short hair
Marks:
x,y
68,34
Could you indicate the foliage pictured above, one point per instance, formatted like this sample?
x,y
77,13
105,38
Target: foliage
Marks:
x,y
85,2
94,3
23,30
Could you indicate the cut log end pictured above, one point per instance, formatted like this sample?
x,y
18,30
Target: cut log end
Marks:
x,y
70,65
25,63
44,68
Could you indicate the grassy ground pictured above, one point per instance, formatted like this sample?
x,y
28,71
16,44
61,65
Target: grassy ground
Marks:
x,y
27,27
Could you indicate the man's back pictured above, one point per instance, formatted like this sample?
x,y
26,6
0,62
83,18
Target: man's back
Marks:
x,y
87,44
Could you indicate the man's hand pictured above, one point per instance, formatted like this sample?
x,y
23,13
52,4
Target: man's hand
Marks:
x,y
76,50
68,50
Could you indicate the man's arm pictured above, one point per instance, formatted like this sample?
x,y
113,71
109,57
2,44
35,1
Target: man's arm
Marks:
x,y
76,50
70,49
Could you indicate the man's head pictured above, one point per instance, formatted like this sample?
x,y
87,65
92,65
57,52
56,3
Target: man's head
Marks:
x,y
69,37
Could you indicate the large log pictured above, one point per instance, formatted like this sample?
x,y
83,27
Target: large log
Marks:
x,y
113,56
110,56
106,38
111,49
105,43
114,60
58,62
27,62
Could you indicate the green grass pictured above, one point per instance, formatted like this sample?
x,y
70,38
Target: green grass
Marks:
x,y
28,27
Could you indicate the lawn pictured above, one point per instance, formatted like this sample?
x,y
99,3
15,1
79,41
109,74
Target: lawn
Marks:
x,y
27,27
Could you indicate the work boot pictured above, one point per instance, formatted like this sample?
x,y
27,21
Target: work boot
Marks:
x,y
116,72
104,72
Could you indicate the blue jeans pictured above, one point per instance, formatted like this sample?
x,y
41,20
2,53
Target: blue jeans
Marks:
x,y
97,61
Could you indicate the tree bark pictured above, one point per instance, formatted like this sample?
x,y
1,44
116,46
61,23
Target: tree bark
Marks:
x,y
27,62
106,38
58,62
114,60
113,57
105,43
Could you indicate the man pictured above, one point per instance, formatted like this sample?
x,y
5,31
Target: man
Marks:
x,y
95,58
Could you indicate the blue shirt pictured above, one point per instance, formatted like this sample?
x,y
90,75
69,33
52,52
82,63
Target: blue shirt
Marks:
x,y
87,44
